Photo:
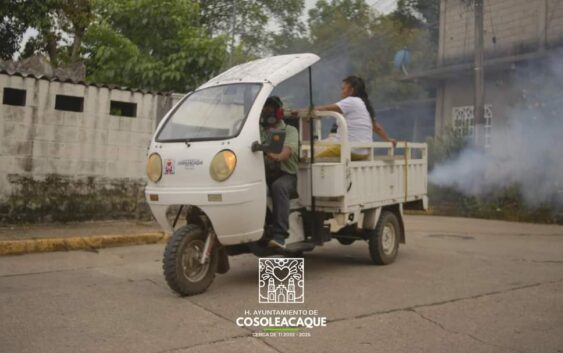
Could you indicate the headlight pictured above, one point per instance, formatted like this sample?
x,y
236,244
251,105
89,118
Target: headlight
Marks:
x,y
154,167
223,165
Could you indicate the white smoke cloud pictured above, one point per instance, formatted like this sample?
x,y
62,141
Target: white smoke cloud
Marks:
x,y
527,151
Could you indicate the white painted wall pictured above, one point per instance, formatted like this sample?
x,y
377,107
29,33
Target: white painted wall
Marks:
x,y
36,139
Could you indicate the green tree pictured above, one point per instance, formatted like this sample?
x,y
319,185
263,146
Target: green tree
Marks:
x,y
163,45
423,14
11,30
151,44
350,15
258,24
353,38
60,26
388,37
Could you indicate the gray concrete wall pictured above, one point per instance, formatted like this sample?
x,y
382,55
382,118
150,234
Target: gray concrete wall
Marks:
x,y
554,21
519,26
503,92
498,93
38,141
516,25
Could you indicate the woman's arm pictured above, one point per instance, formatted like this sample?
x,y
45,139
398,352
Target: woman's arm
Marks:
x,y
322,108
378,129
329,108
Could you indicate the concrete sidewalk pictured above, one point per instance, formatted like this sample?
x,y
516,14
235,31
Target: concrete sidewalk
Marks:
x,y
21,239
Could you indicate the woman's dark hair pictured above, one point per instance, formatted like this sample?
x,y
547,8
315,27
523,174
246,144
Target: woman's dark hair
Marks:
x,y
359,90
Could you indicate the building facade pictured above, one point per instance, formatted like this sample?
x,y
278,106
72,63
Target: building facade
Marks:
x,y
522,38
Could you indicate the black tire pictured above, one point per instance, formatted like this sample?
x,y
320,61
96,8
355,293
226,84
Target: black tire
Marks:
x,y
190,238
384,240
345,241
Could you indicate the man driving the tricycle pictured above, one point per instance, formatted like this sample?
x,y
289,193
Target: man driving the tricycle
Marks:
x,y
281,168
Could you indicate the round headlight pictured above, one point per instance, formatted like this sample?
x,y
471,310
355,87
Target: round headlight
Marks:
x,y
154,167
223,165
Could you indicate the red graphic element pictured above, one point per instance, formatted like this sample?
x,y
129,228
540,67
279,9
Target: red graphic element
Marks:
x,y
169,168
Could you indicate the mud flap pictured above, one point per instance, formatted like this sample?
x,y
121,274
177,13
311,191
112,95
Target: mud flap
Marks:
x,y
222,261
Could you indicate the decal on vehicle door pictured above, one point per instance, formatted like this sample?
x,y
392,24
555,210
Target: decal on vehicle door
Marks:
x,y
169,167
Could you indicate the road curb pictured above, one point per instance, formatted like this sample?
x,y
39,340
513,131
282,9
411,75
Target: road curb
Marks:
x,y
18,247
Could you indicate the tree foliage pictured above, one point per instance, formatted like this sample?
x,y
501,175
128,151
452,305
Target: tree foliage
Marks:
x,y
11,30
177,44
251,23
351,37
60,25
151,44
424,14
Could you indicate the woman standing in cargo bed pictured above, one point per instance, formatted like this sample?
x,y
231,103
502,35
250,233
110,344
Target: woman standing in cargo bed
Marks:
x,y
359,115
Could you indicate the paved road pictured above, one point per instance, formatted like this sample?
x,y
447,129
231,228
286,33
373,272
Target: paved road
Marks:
x,y
459,285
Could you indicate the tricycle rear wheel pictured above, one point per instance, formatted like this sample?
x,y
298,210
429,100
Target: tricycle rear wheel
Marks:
x,y
183,270
384,240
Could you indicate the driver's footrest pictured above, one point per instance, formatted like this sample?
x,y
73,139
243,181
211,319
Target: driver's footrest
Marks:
x,y
299,247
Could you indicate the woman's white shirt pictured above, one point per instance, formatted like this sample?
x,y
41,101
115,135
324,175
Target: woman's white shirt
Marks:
x,y
358,120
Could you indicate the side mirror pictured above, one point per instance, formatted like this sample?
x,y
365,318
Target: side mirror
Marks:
x,y
274,142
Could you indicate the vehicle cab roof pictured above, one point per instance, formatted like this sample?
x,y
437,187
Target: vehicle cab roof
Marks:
x,y
273,69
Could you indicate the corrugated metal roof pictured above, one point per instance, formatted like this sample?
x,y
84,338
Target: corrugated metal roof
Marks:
x,y
79,82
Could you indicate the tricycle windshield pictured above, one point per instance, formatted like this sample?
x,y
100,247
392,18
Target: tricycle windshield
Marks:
x,y
213,113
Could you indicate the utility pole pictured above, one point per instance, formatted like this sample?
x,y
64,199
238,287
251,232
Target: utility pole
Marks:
x,y
479,94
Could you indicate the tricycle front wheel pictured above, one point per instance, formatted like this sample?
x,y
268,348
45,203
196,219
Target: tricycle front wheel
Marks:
x,y
183,270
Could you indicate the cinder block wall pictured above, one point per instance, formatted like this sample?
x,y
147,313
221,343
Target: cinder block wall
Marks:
x,y
515,25
55,164
518,26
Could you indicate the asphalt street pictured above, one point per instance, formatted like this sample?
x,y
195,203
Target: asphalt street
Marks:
x,y
458,285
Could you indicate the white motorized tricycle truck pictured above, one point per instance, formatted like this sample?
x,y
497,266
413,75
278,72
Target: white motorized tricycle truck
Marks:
x,y
207,183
